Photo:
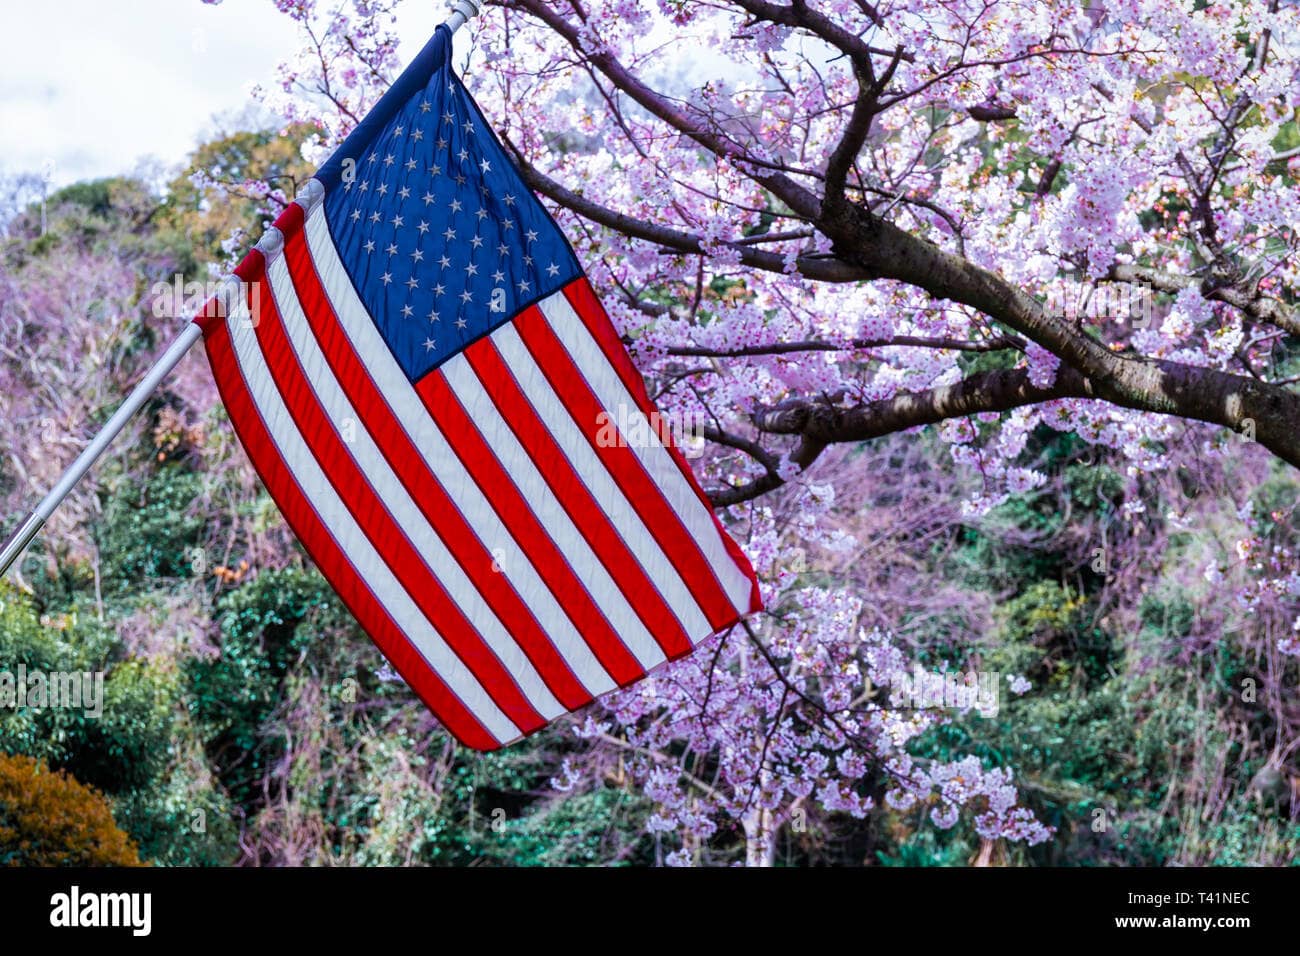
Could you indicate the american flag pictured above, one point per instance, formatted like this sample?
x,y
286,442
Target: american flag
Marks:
x,y
425,382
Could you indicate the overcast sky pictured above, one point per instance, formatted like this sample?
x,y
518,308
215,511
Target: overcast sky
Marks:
x,y
95,86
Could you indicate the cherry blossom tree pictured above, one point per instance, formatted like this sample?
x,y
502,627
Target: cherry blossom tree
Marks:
x,y
818,224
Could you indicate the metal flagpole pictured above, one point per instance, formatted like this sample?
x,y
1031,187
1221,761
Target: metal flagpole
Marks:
x,y
462,12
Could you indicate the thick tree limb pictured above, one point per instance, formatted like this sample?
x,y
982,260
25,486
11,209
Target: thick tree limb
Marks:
x,y
819,423
996,391
1144,384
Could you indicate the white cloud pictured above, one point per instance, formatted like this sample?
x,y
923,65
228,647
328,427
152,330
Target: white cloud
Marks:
x,y
91,87
94,87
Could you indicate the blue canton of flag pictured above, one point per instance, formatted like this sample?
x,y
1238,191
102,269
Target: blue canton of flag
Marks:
x,y
439,234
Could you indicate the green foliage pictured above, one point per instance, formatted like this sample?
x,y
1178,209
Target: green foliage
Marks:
x,y
1092,485
185,819
118,750
516,820
493,809
206,216
1114,744
1049,636
1275,503
230,695
151,527
589,829
988,562
127,748
104,215
927,849
96,196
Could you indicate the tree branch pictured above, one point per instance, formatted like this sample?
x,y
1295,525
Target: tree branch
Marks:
x,y
867,246
997,344
1263,308
823,269
802,201
819,423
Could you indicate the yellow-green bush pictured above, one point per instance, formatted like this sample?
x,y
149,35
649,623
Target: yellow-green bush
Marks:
x,y
47,818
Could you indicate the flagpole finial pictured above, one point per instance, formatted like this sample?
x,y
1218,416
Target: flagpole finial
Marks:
x,y
463,11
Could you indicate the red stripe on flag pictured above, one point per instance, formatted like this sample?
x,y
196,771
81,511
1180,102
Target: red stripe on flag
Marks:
x,y
325,552
430,496
626,469
568,487
387,536
589,308
509,504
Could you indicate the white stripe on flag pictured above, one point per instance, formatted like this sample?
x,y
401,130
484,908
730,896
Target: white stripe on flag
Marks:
x,y
368,564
